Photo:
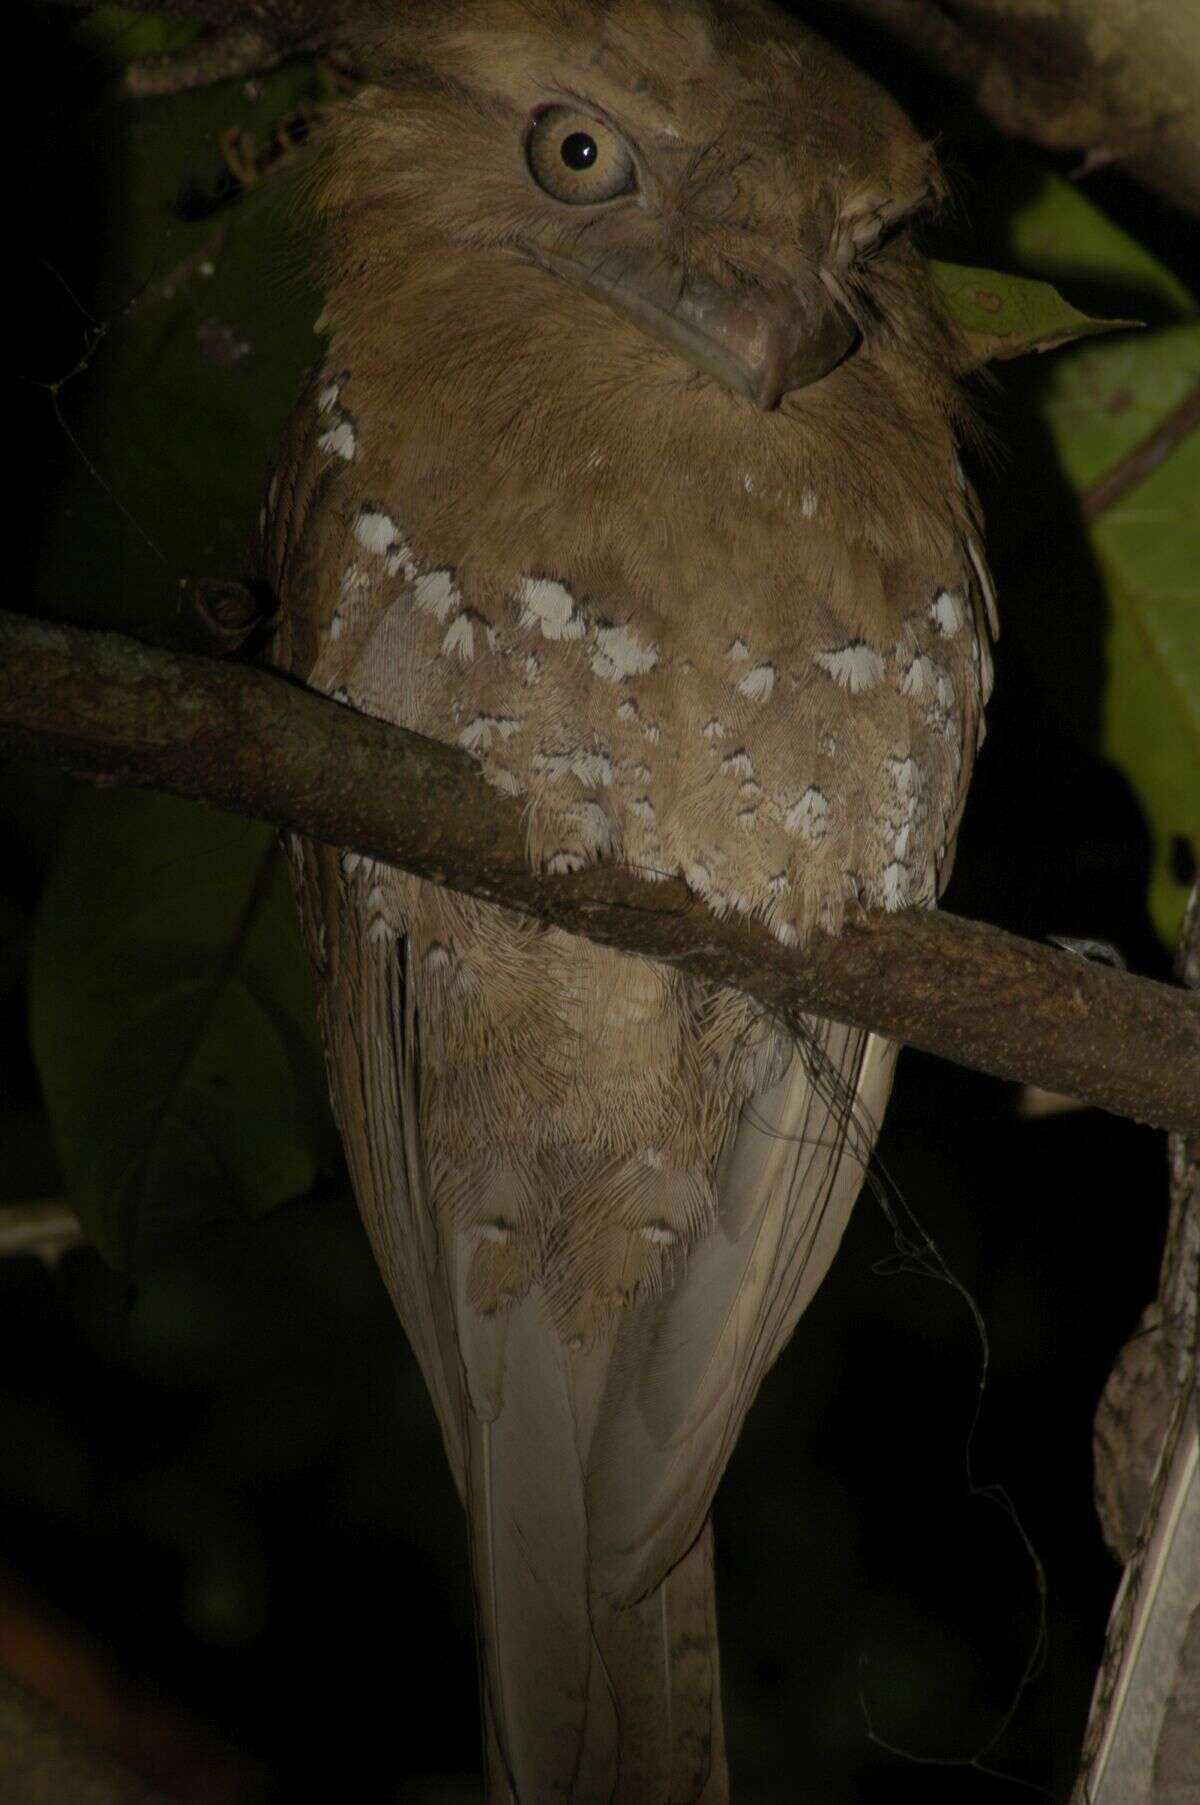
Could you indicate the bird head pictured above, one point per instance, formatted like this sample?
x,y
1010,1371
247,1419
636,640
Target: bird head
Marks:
x,y
712,182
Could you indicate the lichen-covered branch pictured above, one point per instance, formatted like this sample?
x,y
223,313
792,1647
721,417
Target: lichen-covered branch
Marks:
x,y
1115,80
249,740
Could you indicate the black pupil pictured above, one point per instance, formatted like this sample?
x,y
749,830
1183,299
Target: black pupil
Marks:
x,y
579,150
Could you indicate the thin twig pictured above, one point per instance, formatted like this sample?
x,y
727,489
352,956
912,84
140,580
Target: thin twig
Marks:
x,y
223,56
1143,459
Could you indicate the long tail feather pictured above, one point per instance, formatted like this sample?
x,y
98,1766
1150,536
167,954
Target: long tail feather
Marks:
x,y
584,1700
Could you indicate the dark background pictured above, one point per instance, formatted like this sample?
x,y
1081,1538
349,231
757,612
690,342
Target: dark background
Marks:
x,y
226,1475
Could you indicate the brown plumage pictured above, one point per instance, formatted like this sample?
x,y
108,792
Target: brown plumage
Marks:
x,y
630,469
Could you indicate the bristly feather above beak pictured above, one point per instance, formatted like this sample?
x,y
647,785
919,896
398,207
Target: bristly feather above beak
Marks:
x,y
761,343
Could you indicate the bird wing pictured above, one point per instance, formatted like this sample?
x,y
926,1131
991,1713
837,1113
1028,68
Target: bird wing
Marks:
x,y
687,1362
367,996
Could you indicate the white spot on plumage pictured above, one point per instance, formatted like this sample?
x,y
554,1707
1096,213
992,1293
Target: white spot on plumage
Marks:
x,y
594,826
643,809
906,774
659,1234
809,816
496,1231
652,731
352,862
738,764
714,729
376,531
436,959
908,778
620,653
757,684
335,625
627,710
379,931
895,885
947,613
808,504
339,440
437,593
855,666
460,634
594,833
533,668
460,637
747,817
549,605
329,397
593,769
920,677
738,651
477,735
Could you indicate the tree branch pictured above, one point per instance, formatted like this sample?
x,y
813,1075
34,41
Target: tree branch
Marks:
x,y
219,56
1116,80
250,740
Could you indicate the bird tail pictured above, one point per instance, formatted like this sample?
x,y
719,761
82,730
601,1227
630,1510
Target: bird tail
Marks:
x,y
584,1700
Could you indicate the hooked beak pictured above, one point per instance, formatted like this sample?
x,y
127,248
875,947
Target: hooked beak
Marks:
x,y
762,343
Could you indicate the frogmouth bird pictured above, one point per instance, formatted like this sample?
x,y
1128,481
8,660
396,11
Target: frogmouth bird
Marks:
x,y
630,469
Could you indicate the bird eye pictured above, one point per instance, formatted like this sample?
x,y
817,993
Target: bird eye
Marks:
x,y
578,159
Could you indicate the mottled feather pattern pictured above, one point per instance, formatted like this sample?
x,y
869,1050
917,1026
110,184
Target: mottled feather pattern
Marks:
x,y
744,645
832,741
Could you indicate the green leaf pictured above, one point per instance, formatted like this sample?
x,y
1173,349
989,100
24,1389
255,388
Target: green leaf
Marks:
x,y
1059,235
1101,404
206,330
124,37
1006,316
173,1023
